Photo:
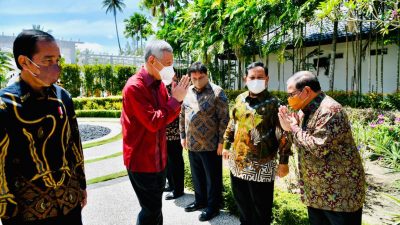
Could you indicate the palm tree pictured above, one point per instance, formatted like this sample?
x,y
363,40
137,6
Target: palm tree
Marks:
x,y
112,6
137,26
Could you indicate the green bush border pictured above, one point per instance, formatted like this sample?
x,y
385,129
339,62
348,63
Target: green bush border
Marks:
x,y
99,113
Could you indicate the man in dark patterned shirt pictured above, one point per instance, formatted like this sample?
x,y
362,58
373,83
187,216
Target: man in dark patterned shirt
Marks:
x,y
332,178
42,178
202,123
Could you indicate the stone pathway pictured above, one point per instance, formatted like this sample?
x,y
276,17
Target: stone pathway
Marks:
x,y
114,202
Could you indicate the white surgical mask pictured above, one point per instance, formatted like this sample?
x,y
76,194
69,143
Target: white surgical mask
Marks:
x,y
256,86
167,74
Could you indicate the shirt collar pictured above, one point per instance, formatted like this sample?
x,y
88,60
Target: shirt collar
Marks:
x,y
314,104
148,79
27,91
206,88
260,97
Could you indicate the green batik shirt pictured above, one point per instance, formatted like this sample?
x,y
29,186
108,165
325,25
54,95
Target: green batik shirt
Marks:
x,y
330,167
254,137
41,160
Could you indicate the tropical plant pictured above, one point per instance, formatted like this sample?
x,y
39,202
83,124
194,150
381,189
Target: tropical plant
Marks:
x,y
138,28
396,216
113,6
6,66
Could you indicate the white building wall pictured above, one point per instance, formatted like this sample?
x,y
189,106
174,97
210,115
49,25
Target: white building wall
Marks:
x,y
67,48
389,69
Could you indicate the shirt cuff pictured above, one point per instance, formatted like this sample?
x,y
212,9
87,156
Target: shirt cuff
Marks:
x,y
295,128
227,145
283,159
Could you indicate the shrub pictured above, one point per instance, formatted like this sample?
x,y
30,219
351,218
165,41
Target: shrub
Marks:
x,y
107,103
99,113
70,79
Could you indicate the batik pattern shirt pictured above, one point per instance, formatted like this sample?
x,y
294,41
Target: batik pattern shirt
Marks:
x,y
253,137
331,172
41,160
204,117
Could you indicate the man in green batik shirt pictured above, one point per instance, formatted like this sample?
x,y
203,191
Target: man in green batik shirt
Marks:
x,y
252,140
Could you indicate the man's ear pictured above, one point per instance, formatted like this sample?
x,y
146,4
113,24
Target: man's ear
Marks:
x,y
22,61
267,79
151,59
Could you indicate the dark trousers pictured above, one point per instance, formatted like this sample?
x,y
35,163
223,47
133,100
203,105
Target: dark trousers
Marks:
x,y
206,168
175,167
149,188
72,218
326,217
254,201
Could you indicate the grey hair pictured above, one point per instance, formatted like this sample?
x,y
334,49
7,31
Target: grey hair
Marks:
x,y
156,48
305,78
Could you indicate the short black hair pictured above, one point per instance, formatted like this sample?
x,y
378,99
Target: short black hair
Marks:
x,y
305,78
25,43
254,65
197,67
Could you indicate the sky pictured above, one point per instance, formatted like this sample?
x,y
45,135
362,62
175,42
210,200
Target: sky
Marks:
x,y
78,20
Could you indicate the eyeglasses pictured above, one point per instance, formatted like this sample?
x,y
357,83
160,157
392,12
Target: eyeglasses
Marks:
x,y
294,93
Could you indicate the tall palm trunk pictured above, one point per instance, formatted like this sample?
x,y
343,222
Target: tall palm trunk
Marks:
x,y
333,54
376,64
382,44
370,58
398,61
279,75
319,46
359,65
347,59
116,29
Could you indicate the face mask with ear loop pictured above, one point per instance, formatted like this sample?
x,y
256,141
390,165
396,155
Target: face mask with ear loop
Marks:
x,y
167,73
45,71
48,69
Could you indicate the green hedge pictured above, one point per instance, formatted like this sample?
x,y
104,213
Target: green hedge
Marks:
x,y
287,208
95,103
99,113
350,99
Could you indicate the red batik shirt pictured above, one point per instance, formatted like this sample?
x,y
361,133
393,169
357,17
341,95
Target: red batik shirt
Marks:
x,y
146,110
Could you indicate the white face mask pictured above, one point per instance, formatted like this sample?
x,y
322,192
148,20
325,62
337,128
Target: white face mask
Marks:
x,y
256,86
167,74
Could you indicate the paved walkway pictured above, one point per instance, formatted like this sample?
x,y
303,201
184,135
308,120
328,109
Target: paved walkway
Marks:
x,y
114,202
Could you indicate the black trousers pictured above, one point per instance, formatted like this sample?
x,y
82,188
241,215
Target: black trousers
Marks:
x,y
72,218
254,201
149,188
175,167
326,217
206,168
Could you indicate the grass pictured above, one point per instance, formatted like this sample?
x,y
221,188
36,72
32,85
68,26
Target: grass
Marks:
x,y
103,158
107,177
102,142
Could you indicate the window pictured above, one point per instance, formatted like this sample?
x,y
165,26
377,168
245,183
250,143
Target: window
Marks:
x,y
379,51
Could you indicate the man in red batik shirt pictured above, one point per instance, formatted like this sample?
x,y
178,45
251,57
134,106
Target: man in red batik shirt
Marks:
x,y
147,109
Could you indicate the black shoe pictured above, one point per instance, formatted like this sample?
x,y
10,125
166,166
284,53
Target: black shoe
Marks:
x,y
207,215
171,196
193,207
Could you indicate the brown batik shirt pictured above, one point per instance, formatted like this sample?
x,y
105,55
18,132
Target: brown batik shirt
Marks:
x,y
331,171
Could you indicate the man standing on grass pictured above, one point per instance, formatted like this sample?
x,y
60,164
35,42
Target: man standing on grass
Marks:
x,y
147,109
332,179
